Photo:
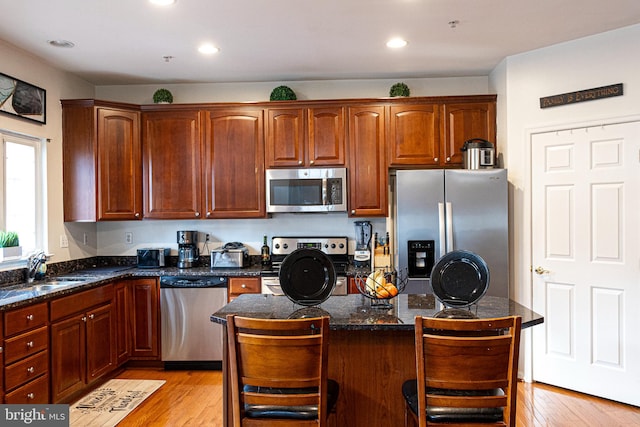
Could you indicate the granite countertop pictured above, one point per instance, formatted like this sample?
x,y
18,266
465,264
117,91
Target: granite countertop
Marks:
x,y
355,311
19,294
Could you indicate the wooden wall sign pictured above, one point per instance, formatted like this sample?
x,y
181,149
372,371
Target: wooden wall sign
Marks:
x,y
581,96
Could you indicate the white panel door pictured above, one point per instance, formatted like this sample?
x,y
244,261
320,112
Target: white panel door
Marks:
x,y
586,260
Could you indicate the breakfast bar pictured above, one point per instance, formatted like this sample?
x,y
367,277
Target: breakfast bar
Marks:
x,y
371,348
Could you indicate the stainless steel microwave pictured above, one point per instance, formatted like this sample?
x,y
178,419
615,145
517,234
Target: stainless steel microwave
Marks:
x,y
306,190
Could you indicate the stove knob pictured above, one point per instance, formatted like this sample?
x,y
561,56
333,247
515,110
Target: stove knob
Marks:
x,y
333,246
277,246
341,245
285,246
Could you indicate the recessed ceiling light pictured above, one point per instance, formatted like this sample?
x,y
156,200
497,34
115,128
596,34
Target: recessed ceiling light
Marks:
x,y
61,43
208,49
162,2
396,43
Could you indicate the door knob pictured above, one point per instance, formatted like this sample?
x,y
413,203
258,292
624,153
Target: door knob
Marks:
x,y
541,271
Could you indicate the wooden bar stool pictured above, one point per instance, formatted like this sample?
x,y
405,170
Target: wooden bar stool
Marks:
x,y
466,372
278,374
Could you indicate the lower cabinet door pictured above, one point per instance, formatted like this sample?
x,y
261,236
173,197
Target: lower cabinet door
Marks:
x,y
101,356
68,357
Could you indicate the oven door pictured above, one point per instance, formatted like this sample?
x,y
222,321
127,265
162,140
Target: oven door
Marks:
x,y
271,286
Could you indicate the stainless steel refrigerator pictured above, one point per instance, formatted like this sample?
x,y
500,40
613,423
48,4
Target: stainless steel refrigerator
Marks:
x,y
438,211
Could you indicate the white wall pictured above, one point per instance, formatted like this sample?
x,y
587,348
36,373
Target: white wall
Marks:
x,y
58,85
521,80
305,90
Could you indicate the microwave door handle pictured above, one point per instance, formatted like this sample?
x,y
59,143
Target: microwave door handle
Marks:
x,y
441,229
325,192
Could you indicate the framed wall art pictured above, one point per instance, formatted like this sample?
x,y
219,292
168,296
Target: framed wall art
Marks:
x,y
22,99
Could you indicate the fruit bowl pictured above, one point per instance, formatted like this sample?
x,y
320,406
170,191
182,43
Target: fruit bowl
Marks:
x,y
381,285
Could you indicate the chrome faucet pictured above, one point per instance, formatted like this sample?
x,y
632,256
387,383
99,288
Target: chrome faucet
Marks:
x,y
34,262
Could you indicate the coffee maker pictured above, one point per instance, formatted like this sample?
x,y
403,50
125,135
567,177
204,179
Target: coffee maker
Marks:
x,y
188,252
362,254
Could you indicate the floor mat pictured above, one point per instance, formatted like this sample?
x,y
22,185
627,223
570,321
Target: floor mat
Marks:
x,y
107,405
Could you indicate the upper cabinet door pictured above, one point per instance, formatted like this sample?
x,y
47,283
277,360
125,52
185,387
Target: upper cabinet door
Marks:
x,y
464,121
285,137
414,135
325,134
305,137
367,165
234,164
119,165
171,156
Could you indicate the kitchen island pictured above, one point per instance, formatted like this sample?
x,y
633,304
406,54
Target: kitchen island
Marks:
x,y
371,349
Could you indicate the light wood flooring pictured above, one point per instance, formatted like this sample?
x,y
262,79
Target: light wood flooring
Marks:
x,y
194,398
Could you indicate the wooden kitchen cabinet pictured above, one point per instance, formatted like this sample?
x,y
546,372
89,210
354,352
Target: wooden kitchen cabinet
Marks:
x,y
26,354
464,120
102,171
368,176
305,137
82,341
233,171
243,285
122,301
171,164
144,315
414,135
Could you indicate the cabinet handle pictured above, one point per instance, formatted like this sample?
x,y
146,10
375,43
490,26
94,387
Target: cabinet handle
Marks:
x,y
30,370
30,395
30,344
29,317
353,211
435,160
243,286
197,214
137,215
299,162
84,318
208,214
1,350
448,159
311,162
91,316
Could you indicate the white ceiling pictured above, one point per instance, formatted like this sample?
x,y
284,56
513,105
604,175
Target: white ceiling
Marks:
x,y
124,41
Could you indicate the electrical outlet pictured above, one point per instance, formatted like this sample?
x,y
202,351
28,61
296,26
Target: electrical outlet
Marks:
x,y
128,238
64,242
207,238
85,239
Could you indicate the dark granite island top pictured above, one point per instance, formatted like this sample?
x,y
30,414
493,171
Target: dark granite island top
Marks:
x,y
371,350
355,311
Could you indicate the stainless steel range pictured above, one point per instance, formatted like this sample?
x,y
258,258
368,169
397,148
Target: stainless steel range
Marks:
x,y
335,247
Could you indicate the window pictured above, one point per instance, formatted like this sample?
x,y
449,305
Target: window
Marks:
x,y
23,174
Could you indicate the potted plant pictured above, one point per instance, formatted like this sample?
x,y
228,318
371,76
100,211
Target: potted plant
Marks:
x,y
162,96
283,93
399,89
9,245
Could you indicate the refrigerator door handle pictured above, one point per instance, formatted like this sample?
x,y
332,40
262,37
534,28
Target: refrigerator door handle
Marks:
x,y
441,229
449,220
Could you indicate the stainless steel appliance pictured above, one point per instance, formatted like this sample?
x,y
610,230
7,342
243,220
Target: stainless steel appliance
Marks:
x,y
362,254
231,255
335,247
189,339
457,209
188,252
306,190
478,154
152,257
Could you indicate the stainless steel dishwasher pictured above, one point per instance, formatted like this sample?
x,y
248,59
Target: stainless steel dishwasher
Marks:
x,y
189,339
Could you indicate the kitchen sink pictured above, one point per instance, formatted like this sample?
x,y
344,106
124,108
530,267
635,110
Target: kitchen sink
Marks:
x,y
56,283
